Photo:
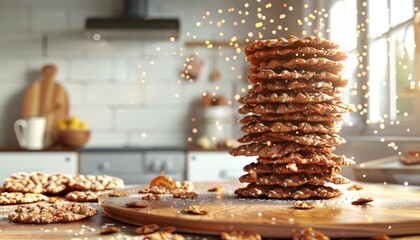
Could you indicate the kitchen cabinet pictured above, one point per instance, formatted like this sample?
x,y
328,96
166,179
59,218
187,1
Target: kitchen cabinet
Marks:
x,y
215,165
39,161
134,166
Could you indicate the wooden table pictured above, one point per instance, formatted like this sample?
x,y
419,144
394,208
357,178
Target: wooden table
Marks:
x,y
90,228
84,229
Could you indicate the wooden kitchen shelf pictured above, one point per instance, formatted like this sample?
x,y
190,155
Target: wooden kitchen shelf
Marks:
x,y
55,148
214,43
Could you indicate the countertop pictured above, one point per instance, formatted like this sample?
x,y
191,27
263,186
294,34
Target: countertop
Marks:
x,y
61,148
85,229
56,148
139,149
90,228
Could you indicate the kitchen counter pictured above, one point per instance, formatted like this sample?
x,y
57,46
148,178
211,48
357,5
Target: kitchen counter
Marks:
x,y
90,228
130,149
84,229
87,229
56,148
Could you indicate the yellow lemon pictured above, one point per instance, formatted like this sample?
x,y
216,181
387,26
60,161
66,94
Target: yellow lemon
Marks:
x,y
74,126
62,125
74,120
83,126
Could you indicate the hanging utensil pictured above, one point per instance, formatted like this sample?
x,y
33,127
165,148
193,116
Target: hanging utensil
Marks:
x,y
215,75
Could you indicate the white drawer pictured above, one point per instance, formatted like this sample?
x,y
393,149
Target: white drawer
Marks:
x,y
215,166
111,163
48,162
135,167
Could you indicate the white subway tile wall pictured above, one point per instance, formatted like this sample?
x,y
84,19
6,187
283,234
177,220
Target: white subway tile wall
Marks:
x,y
128,91
17,16
115,94
151,118
11,70
48,20
20,44
97,118
11,98
89,69
35,64
67,44
76,93
151,138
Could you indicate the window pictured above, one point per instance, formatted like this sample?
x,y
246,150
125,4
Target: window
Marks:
x,y
379,36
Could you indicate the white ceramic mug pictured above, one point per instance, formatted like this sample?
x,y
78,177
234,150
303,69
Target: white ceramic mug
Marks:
x,y
30,132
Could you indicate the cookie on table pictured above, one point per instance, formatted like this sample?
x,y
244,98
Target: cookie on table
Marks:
x,y
20,198
95,183
26,182
52,213
84,196
56,183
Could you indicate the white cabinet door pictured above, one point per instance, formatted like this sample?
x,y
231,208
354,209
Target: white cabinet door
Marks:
x,y
215,166
134,167
48,162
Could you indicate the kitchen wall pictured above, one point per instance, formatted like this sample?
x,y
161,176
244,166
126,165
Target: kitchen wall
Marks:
x,y
128,91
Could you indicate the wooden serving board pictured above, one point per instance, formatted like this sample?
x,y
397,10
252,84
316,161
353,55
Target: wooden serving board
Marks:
x,y
394,211
46,98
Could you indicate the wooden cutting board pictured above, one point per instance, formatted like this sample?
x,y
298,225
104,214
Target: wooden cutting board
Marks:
x,y
46,98
394,211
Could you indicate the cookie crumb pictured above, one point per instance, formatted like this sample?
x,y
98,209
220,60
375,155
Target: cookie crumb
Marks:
x,y
136,204
146,229
355,187
151,197
197,210
118,194
144,190
185,195
163,235
361,201
240,235
216,189
110,230
309,234
303,205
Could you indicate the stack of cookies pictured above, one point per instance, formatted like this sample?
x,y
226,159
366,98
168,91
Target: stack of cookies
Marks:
x,y
293,114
